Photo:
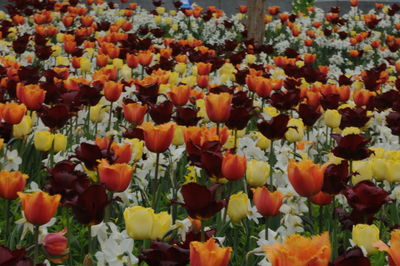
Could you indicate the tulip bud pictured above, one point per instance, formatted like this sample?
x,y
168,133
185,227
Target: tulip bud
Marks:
x,y
262,141
180,68
60,142
56,244
257,173
139,222
365,235
11,183
126,72
85,65
23,128
218,106
117,177
305,177
332,118
97,113
178,139
238,206
13,113
43,140
137,147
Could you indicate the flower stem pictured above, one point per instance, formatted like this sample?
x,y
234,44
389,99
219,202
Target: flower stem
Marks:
x,y
270,156
7,219
36,244
320,218
90,242
235,136
155,181
203,234
110,117
266,221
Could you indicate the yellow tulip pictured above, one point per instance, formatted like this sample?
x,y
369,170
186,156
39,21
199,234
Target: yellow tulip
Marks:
x,y
296,130
43,140
257,173
393,170
97,113
126,72
363,170
262,141
366,235
60,142
332,118
160,10
180,68
86,65
250,58
161,225
379,168
23,128
62,61
139,222
178,139
56,50
137,147
351,130
238,206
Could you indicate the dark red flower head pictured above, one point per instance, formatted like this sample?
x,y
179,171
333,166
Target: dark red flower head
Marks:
x,y
393,122
162,112
275,128
161,253
285,100
55,117
353,117
89,206
336,178
351,147
186,116
309,114
200,201
16,257
352,257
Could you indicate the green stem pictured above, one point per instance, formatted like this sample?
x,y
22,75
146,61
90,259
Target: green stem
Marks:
x,y
270,156
155,181
320,218
218,129
310,213
294,150
266,223
226,208
90,242
36,244
203,233
7,219
110,117
69,231
235,137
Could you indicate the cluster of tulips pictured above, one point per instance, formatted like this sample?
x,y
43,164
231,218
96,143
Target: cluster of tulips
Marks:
x,y
135,137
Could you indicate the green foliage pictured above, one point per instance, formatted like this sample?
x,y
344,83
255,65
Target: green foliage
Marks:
x,y
302,5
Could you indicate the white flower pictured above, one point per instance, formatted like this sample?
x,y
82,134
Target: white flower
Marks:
x,y
12,160
28,227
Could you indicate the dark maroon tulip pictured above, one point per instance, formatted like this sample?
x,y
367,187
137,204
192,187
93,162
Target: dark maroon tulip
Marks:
x,y
242,74
195,151
90,95
89,206
161,253
66,181
275,128
312,75
177,4
162,112
336,178
365,198
29,74
351,147
147,94
285,100
6,131
291,84
291,53
343,80
353,117
15,257
89,154
386,100
55,117
43,52
200,201
133,133
371,79
393,122
186,116
239,118
309,114
352,257
157,3
330,101
20,44
211,162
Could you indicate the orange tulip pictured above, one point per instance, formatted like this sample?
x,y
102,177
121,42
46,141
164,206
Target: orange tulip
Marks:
x,y
361,97
321,198
218,106
243,9
19,20
202,81
112,90
306,177
39,207
233,166
263,87
203,69
134,112
299,251
68,21
117,177
267,203
394,249
179,95
158,138
70,46
208,253
87,21
11,183
132,60
101,60
122,152
145,58
13,112
354,2
31,95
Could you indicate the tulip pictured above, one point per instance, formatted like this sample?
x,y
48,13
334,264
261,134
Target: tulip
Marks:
x,y
306,177
97,113
117,177
362,171
158,138
238,206
60,142
123,153
56,244
380,168
43,140
295,130
112,90
267,203
126,72
332,118
393,250
31,95
145,58
137,145
13,113
208,253
39,207
321,198
366,236
178,138
101,60
262,141
132,60
292,252
179,95
203,69
142,223
351,147
85,65
11,183
23,128
233,166
275,128
218,107
393,171
257,173
134,112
